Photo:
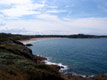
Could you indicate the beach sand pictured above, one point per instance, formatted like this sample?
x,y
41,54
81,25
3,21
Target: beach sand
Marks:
x,y
36,39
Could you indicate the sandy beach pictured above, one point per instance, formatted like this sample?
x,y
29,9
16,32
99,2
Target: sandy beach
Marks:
x,y
36,39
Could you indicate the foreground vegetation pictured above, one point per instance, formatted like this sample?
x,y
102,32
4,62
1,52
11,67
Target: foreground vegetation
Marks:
x,y
15,67
18,63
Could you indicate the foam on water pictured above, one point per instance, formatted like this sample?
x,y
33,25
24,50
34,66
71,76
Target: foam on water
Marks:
x,y
59,64
83,56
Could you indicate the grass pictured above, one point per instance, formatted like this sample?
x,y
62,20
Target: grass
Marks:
x,y
16,67
17,62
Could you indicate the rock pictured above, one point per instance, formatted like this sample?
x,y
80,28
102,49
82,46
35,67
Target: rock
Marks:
x,y
57,67
39,59
17,48
29,45
99,77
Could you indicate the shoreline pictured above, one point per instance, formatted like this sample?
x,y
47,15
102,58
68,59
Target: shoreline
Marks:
x,y
46,60
68,76
36,39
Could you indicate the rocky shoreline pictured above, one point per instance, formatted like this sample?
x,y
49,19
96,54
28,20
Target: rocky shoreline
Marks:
x,y
70,76
19,63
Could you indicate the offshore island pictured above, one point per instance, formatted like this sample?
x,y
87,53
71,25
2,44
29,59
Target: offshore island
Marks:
x,y
17,62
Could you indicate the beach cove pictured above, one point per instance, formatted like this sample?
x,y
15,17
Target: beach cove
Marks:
x,y
55,62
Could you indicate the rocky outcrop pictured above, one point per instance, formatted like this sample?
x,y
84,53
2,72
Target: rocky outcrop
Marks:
x,y
29,45
69,76
99,77
17,48
18,63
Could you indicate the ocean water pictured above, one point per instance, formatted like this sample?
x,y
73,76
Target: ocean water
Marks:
x,y
81,56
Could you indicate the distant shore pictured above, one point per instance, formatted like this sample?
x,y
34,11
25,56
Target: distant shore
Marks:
x,y
36,39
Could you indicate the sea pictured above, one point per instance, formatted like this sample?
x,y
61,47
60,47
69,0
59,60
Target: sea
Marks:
x,y
78,56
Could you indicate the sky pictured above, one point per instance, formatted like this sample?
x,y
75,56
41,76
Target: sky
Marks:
x,y
51,17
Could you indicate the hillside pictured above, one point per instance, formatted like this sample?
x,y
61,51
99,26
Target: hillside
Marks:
x,y
18,63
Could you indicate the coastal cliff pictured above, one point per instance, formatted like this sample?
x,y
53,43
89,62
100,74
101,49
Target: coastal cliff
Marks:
x,y
18,63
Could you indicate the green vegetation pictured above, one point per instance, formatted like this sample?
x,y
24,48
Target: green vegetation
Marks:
x,y
14,65
24,37
18,63
14,36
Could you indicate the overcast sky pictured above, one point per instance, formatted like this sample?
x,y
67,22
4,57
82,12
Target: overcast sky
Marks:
x,y
53,16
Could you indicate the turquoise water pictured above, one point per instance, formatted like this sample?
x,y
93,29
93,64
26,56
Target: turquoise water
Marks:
x,y
82,56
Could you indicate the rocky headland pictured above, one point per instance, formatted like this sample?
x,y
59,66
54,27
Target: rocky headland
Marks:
x,y
18,63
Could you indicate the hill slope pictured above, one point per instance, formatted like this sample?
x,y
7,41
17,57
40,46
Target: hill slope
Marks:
x,y
18,63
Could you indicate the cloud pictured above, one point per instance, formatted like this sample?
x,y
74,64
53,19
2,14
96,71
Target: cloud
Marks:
x,y
21,7
58,26
9,2
53,7
88,22
19,10
104,8
1,16
56,11
102,4
48,17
